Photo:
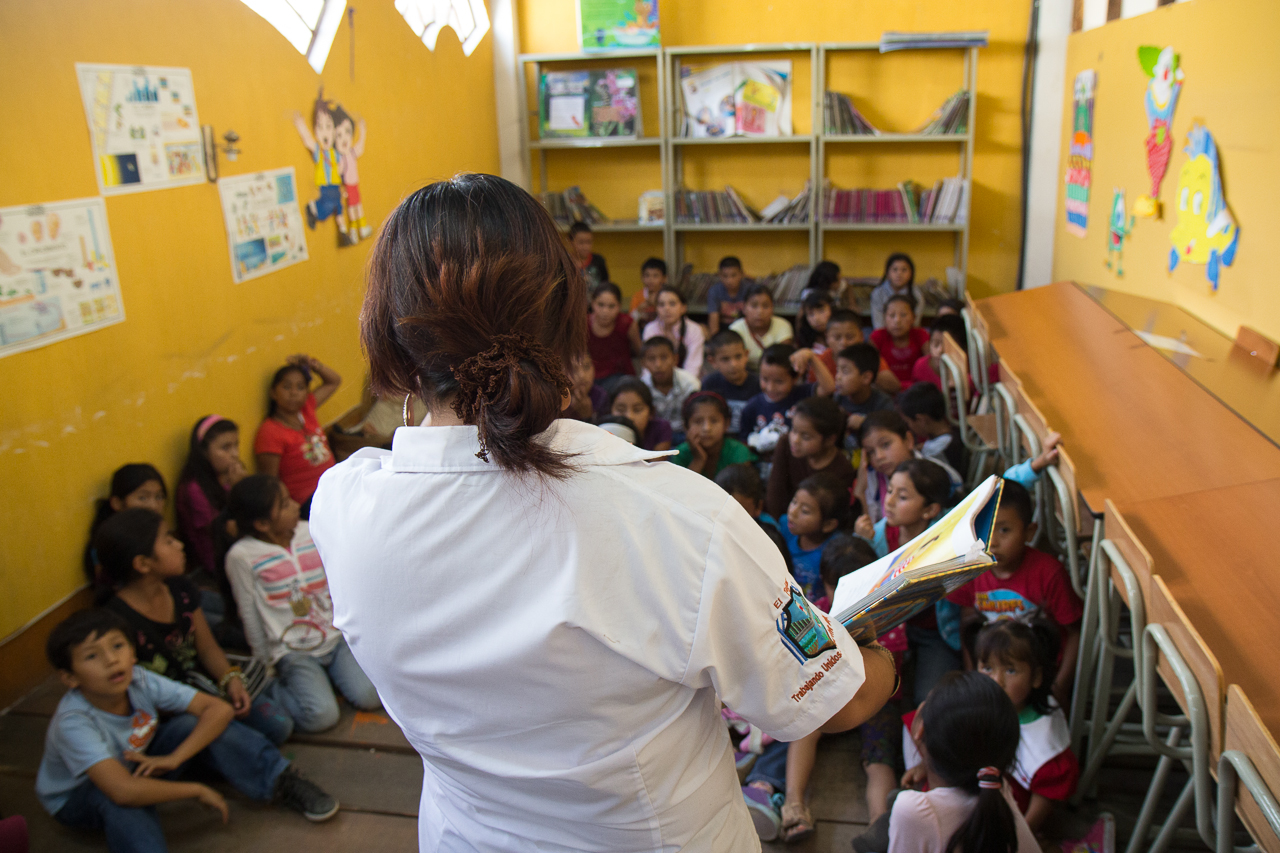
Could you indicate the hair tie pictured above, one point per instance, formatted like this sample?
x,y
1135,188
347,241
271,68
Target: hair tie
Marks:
x,y
203,429
989,777
480,378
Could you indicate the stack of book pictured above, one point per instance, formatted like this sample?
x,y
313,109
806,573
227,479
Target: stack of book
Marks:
x,y
786,211
944,203
917,41
701,207
571,206
951,117
788,285
841,117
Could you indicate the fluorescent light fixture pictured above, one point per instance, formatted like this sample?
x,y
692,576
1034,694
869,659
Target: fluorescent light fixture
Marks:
x,y
309,25
469,19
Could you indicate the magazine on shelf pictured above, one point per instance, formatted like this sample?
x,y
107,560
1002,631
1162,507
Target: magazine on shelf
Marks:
x,y
891,41
737,99
589,104
841,117
652,208
605,25
949,554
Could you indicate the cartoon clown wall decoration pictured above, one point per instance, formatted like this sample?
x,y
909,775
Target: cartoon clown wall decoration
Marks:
x,y
1162,66
1206,232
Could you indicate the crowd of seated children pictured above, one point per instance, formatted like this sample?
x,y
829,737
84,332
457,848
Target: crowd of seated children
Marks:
x,y
708,447
291,443
816,308
844,330
670,385
632,399
612,338
901,343
724,297
110,758
811,445
731,379
898,280
685,335
758,326
581,243
856,392
925,410
644,302
887,441
817,510
767,416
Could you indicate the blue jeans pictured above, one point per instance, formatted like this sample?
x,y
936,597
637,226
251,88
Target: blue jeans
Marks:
x,y
771,766
240,755
934,659
269,716
306,693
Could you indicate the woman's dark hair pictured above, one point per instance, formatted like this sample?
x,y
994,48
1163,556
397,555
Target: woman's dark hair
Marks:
x,y
607,287
197,468
779,355
279,376
911,282
128,534
251,500
681,350
831,494
755,289
969,725
930,479
887,420
705,398
824,276
806,335
1034,641
842,555
125,481
635,386
827,417
473,299
742,479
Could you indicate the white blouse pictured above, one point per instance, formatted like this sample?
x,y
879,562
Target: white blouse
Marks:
x,y
557,651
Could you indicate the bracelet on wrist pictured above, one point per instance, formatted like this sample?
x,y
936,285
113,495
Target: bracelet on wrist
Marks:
x,y
232,672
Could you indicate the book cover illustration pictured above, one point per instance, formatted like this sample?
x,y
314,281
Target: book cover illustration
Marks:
x,y
737,99
605,25
588,104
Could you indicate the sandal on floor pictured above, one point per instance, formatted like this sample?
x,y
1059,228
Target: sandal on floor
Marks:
x,y
797,823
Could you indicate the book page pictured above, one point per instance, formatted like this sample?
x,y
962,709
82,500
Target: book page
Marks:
x,y
566,112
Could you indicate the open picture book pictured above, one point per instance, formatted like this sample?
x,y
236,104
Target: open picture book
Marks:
x,y
949,554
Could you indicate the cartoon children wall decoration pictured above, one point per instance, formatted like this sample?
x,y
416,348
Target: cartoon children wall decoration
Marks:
x,y
1118,230
335,141
1206,232
349,139
1162,66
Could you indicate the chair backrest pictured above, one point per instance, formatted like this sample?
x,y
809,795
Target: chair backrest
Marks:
x,y
1164,610
961,359
1258,345
1246,732
1133,551
1083,517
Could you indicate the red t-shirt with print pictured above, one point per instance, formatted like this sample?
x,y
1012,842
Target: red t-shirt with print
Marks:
x,y
611,354
1040,581
901,360
304,453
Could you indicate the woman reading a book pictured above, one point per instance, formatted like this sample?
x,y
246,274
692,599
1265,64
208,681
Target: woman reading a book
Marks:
x,y
551,615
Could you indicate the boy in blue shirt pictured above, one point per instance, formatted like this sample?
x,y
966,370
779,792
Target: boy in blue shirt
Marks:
x,y
767,416
732,380
110,756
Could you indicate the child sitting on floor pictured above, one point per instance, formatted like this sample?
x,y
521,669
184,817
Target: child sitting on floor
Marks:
x,y
811,445
856,392
759,327
644,302
594,269
283,598
134,485
1025,580
142,581
586,399
731,380
632,399
743,483
670,385
612,338
724,297
811,327
898,280
672,323
887,442
213,466
928,367
900,342
818,509
767,416
291,443
109,758
707,450
925,410
844,329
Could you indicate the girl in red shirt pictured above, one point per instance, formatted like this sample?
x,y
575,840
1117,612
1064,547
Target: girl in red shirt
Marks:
x,y
614,339
291,443
900,343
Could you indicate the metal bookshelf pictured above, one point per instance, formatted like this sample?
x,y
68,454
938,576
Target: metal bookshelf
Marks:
x,y
671,148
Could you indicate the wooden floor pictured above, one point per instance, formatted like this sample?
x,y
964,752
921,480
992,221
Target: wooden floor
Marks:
x,y
367,764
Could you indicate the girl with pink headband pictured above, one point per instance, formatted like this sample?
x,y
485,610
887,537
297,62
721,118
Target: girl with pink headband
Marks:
x,y
213,466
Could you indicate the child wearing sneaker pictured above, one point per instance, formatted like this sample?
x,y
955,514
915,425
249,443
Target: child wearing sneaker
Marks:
x,y
108,757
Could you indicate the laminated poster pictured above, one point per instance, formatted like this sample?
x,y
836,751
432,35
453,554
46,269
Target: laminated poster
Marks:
x,y
1206,232
143,127
1080,155
605,25
264,223
57,273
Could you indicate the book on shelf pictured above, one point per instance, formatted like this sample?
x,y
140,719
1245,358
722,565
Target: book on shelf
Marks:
x,y
700,207
571,206
908,204
785,210
841,117
589,104
652,208
950,118
892,41
605,25
737,99
947,555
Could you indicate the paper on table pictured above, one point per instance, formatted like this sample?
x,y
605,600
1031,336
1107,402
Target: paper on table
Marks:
x,y
1167,343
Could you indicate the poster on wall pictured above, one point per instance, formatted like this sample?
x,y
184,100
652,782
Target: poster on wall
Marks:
x,y
57,273
1162,65
143,126
1206,232
335,141
605,25
1080,154
264,223
1119,229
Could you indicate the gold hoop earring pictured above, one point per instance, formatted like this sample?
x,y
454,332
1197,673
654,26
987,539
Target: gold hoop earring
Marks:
x,y
404,413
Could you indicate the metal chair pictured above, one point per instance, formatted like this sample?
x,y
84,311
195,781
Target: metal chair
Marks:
x,y
1248,772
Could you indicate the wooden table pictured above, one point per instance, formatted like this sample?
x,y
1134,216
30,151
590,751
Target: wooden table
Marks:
x,y
1136,426
1246,385
1216,551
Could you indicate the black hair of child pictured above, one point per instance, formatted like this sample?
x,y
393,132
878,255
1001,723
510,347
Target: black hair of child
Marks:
x,y
678,346
754,289
825,276
622,420
1016,497
825,415
279,376
923,398
905,300
929,479
781,544
742,479
198,469
969,725
806,335
705,398
654,264
832,497
1034,641
125,481
864,357
887,420
122,538
659,342
911,282
724,338
607,287
78,627
730,262
845,315
635,386
953,325
251,500
844,554
578,227
779,355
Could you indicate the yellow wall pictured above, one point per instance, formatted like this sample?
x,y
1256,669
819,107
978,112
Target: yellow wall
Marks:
x,y
897,92
194,342
1232,68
